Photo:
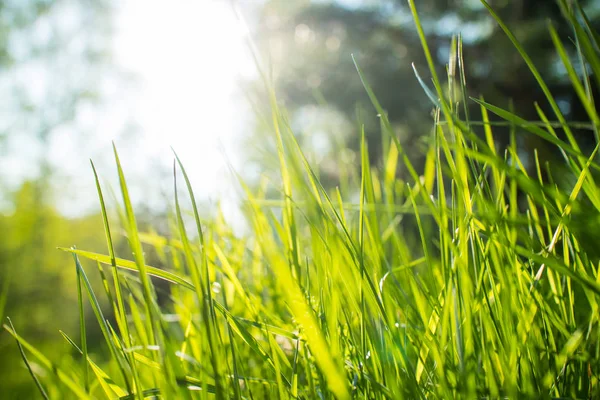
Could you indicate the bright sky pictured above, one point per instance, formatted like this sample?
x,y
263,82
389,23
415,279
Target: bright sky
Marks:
x,y
188,56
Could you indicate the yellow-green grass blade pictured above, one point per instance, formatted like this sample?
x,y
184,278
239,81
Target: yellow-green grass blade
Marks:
x,y
51,368
37,382
538,77
119,305
110,388
82,332
201,286
575,82
117,355
152,327
132,266
6,281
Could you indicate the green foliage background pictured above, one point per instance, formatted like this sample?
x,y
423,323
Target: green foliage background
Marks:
x,y
38,280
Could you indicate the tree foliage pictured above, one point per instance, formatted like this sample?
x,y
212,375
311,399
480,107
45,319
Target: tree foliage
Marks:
x,y
309,45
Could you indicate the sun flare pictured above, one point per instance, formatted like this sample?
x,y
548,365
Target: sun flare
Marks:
x,y
188,56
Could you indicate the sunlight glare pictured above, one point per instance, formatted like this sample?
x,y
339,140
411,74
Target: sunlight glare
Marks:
x,y
188,55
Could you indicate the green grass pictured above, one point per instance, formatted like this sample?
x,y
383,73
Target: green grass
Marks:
x,y
473,278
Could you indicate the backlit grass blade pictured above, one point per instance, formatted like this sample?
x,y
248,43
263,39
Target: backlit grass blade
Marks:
x,y
390,131
138,254
538,77
82,333
507,115
26,362
119,305
575,82
110,388
586,41
51,368
336,381
439,100
365,173
114,351
132,266
6,280
201,287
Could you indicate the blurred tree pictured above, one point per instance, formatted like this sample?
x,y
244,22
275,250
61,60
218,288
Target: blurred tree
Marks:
x,y
42,290
52,54
52,57
309,44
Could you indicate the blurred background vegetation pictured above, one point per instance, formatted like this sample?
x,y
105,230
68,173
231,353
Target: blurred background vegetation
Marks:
x,y
55,56
310,43
51,55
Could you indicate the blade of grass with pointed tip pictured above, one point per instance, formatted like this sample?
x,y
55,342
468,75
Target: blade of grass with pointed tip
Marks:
x,y
38,384
119,305
117,356
538,77
110,388
152,328
47,364
439,100
575,82
132,266
202,289
507,115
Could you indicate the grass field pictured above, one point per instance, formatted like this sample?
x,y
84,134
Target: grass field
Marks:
x,y
475,277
